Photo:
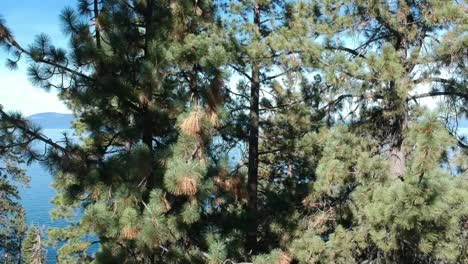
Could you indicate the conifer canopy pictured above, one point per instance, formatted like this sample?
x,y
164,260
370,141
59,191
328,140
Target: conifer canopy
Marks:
x,y
248,131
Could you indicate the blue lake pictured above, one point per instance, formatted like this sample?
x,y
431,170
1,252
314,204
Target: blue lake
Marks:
x,y
36,198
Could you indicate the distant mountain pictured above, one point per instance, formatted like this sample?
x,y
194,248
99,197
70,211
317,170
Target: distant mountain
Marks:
x,y
52,120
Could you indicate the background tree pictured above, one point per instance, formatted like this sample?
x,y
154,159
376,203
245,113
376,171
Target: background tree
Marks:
x,y
381,52
261,41
12,175
20,144
374,55
32,249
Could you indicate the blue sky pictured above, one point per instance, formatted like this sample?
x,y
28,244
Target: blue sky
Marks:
x,y
26,19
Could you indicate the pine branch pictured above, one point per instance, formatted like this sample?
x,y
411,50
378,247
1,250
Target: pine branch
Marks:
x,y
241,72
442,93
373,38
268,78
353,52
460,142
450,83
238,94
6,37
337,100
21,124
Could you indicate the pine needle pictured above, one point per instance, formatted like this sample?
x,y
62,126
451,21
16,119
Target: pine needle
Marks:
x,y
166,204
129,233
213,118
284,259
191,126
186,186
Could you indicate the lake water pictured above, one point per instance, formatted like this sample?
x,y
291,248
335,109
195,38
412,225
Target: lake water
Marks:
x,y
36,199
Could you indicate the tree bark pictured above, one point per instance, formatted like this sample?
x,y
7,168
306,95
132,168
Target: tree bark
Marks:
x,y
147,97
146,100
400,109
253,149
397,160
97,27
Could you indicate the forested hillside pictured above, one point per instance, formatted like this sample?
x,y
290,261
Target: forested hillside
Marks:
x,y
52,120
345,115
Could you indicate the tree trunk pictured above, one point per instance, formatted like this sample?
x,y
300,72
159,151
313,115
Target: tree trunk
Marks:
x,y
253,149
147,97
400,122
397,161
97,27
146,101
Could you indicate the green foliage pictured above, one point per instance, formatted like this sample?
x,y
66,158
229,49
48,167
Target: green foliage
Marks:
x,y
339,247
216,252
350,168
32,248
418,218
13,154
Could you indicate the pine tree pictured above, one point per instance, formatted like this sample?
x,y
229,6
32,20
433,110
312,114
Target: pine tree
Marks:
x,y
144,81
12,175
32,249
262,43
11,212
385,49
378,190
343,164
